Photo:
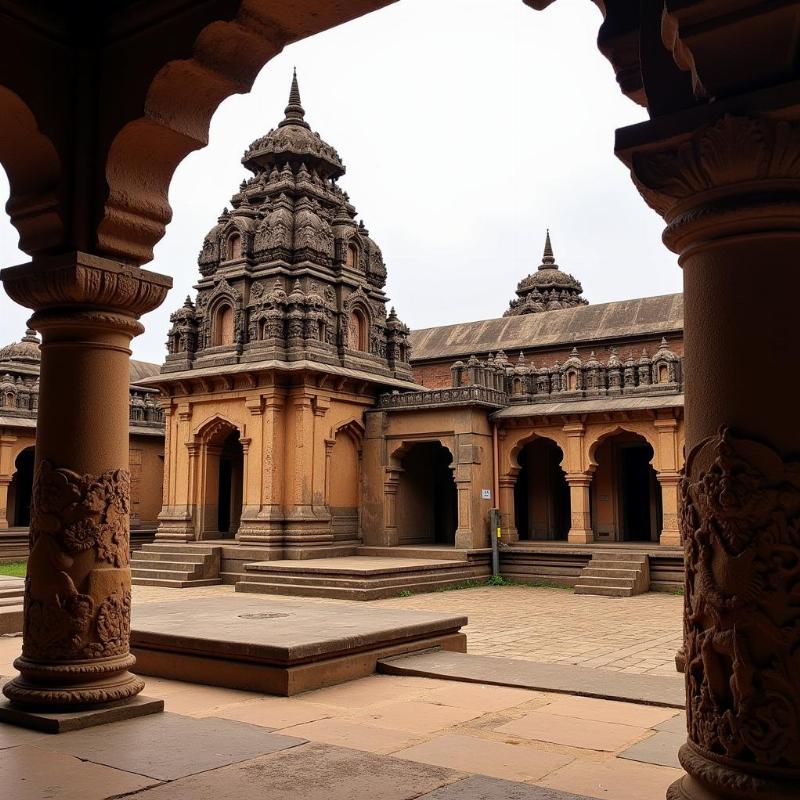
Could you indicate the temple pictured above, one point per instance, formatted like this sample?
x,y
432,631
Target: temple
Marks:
x,y
303,421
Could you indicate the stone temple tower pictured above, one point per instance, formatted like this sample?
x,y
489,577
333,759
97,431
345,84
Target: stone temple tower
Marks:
x,y
287,272
270,369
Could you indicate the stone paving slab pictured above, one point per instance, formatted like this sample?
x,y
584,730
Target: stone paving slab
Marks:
x,y
495,759
657,690
169,746
661,748
480,788
31,773
13,736
309,772
675,725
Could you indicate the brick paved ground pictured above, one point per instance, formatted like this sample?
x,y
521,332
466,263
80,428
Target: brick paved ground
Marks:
x,y
631,634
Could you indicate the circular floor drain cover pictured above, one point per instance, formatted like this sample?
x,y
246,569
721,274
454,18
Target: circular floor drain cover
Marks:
x,y
264,615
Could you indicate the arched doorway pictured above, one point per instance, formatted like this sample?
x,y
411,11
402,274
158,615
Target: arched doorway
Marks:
x,y
20,490
427,509
541,493
626,500
224,482
345,480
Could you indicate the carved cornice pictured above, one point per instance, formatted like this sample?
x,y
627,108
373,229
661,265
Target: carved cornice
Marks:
x,y
717,180
81,279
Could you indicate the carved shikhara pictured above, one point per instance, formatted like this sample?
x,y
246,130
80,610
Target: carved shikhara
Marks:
x,y
77,592
740,523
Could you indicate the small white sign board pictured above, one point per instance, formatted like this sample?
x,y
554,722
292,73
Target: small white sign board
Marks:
x,y
486,494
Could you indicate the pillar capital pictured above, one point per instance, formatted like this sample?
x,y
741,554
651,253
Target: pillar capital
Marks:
x,y
734,175
87,282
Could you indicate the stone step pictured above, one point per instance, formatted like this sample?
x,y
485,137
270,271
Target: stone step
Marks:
x,y
367,570
616,555
17,591
628,565
171,566
6,602
167,574
364,582
373,593
588,580
179,547
147,555
602,572
175,584
605,591
409,551
11,619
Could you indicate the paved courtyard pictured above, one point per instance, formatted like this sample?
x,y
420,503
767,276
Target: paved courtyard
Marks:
x,y
392,737
630,634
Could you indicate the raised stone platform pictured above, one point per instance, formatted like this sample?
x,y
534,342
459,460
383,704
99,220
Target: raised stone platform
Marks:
x,y
364,577
282,646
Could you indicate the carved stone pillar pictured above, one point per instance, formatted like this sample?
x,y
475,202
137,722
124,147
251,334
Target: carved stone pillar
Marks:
x,y
730,194
391,485
462,474
77,593
580,525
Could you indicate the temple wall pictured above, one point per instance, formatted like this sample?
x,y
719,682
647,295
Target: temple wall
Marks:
x,y
437,375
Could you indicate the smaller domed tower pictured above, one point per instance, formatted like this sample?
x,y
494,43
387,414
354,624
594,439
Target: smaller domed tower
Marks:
x,y
547,289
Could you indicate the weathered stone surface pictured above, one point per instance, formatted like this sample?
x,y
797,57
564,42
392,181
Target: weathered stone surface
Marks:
x,y
170,746
661,748
30,773
63,721
479,787
310,772
283,648
647,689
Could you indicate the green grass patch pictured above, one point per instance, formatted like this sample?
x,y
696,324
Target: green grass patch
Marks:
x,y
16,569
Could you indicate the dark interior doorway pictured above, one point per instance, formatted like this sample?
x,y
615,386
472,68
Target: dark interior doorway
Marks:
x,y
541,493
427,508
231,473
21,489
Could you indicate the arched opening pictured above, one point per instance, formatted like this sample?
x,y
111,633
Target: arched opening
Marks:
x,y
351,256
234,246
20,490
345,480
223,326
427,508
357,330
626,501
224,484
541,493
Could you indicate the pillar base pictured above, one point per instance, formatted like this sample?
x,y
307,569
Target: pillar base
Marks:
x,y
73,685
580,536
670,539
711,780
63,721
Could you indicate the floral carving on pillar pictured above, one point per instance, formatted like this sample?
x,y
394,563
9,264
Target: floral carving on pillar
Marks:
x,y
79,527
740,523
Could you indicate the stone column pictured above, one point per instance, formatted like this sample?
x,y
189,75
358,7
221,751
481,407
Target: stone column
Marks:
x,y
7,441
507,511
390,486
77,594
580,525
462,474
730,194
670,501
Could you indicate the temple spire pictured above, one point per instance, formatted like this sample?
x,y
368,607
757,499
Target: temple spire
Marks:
x,y
294,111
548,259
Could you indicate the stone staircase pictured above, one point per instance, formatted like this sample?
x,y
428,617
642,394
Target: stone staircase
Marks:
x,y
611,573
358,577
176,565
11,593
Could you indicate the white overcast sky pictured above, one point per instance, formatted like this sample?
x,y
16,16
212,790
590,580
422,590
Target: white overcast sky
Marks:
x,y
467,128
